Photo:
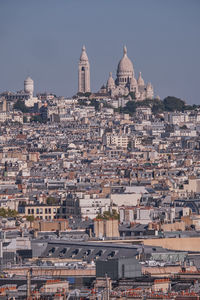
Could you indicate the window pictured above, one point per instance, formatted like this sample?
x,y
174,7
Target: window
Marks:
x,y
37,210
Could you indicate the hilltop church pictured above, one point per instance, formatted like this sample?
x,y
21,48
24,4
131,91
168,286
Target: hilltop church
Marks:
x,y
124,84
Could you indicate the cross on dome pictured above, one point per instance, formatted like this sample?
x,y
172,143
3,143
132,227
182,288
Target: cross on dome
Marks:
x,y
125,50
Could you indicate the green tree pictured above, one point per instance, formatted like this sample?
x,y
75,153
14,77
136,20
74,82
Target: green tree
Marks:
x,y
8,213
52,201
87,94
132,94
24,119
30,218
20,105
172,104
107,215
3,212
158,107
37,118
95,103
130,107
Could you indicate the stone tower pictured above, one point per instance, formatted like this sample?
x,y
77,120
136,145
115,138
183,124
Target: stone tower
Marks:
x,y
83,73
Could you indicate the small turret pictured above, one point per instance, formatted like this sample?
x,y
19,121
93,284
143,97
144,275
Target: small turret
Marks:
x,y
140,80
110,83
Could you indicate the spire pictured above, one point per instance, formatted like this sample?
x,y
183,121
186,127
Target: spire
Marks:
x,y
84,54
140,79
125,50
110,83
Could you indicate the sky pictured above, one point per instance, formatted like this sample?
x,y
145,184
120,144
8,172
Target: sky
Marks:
x,y
43,39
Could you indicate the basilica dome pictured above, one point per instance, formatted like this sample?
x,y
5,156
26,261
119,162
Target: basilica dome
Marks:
x,y
125,66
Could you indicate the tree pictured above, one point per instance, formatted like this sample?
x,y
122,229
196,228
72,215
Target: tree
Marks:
x,y
87,94
8,213
20,105
30,218
130,107
37,118
172,104
95,103
158,107
52,201
132,94
24,119
107,215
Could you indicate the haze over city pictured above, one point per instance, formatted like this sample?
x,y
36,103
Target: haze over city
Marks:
x,y
43,39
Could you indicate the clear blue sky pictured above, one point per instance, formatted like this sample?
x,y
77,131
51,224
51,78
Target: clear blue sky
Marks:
x,y
43,39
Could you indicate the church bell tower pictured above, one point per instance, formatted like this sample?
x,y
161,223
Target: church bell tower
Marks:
x,y
83,73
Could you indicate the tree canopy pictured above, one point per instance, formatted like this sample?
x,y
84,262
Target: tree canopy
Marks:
x,y
172,104
108,215
20,105
8,213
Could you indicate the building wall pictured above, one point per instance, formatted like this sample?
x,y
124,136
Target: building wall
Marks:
x,y
174,226
118,268
185,244
106,228
129,199
193,186
60,225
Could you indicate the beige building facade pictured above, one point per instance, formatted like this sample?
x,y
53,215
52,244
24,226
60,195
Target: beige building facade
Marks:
x,y
42,212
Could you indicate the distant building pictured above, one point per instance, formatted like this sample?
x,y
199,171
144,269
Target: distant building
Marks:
x,y
126,82
119,268
84,73
29,86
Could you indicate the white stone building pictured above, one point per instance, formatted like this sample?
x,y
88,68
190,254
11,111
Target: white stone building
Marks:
x,y
126,81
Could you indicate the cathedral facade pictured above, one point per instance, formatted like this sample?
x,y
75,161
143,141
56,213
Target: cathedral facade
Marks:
x,y
125,84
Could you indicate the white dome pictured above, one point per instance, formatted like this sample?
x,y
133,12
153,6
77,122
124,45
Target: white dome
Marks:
x,y
84,56
133,81
28,80
125,66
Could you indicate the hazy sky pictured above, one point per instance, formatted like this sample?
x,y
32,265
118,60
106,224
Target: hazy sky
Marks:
x,y
43,39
